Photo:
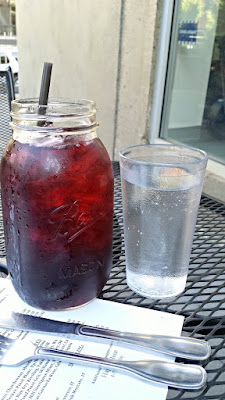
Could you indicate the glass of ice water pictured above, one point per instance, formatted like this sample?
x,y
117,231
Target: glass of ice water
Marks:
x,y
161,190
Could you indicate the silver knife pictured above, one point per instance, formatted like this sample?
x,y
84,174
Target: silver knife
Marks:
x,y
183,347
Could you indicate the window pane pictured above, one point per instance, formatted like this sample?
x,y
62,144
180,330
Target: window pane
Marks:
x,y
194,111
4,60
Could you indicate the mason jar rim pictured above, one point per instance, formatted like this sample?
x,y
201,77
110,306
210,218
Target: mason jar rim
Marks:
x,y
56,107
124,154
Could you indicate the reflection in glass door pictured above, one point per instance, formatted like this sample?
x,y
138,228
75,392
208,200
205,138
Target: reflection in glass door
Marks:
x,y
194,104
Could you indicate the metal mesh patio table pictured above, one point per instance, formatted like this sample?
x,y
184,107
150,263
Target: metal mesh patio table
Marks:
x,y
203,301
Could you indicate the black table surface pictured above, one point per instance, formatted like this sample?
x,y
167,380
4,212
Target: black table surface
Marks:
x,y
203,301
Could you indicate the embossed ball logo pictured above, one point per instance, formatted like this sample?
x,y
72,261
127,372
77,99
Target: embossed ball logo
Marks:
x,y
71,220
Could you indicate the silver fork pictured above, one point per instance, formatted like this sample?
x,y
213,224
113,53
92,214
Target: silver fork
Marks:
x,y
182,376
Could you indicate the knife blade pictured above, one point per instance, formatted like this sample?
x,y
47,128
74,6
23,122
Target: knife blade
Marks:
x,y
183,347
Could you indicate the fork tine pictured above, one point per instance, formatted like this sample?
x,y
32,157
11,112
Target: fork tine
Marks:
x,y
4,346
5,340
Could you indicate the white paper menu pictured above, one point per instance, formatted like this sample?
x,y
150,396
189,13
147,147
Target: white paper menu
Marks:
x,y
52,380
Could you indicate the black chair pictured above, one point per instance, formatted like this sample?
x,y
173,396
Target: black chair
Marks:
x,y
7,94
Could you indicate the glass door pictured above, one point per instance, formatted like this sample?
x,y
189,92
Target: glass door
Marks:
x,y
194,98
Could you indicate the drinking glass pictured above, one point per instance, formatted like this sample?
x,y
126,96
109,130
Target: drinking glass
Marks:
x,y
161,190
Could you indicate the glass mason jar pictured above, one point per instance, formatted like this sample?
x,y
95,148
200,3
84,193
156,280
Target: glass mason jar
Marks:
x,y
57,199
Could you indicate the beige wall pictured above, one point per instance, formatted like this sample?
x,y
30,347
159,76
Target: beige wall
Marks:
x,y
100,50
135,69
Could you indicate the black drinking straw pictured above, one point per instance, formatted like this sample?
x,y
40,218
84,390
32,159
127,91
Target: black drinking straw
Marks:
x,y
45,85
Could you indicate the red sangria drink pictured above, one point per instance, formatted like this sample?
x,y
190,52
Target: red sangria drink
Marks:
x,y
57,199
